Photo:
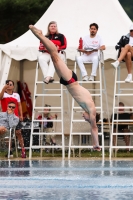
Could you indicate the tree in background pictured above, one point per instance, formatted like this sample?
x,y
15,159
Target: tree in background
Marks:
x,y
128,7
16,15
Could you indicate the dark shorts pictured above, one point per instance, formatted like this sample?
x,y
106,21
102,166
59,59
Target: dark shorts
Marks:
x,y
72,80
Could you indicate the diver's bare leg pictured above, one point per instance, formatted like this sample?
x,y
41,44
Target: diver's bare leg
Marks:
x,y
94,131
90,108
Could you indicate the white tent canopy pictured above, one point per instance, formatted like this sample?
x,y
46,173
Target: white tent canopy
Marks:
x,y
73,18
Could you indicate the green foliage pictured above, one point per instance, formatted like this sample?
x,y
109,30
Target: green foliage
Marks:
x,y
16,15
128,7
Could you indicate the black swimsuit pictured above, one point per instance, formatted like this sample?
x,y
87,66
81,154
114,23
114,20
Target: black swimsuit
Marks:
x,y
72,80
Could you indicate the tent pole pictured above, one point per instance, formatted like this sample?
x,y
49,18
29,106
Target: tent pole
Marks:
x,y
21,70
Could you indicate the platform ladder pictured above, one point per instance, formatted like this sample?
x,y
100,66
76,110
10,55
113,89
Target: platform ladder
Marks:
x,y
119,92
101,90
40,109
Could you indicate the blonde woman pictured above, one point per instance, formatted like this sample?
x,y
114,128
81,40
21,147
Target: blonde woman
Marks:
x,y
44,58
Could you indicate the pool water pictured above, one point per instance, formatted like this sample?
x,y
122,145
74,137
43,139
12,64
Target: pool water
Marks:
x,y
66,180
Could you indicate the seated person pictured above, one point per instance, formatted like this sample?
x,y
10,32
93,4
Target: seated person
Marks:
x,y
123,127
46,125
8,120
44,58
125,46
94,42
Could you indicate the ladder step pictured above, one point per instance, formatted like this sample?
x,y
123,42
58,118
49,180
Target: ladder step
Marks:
x,y
85,133
47,120
56,89
44,146
125,107
78,120
47,107
123,82
43,133
119,120
40,111
95,89
96,95
126,89
121,147
88,82
87,146
40,82
81,108
123,133
52,89
124,95
47,95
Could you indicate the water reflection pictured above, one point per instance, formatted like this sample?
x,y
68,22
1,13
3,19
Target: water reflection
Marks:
x,y
14,168
66,179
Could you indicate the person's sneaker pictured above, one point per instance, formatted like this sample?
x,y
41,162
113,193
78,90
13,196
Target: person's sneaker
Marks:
x,y
91,78
129,78
51,80
23,153
11,154
115,64
47,79
85,78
